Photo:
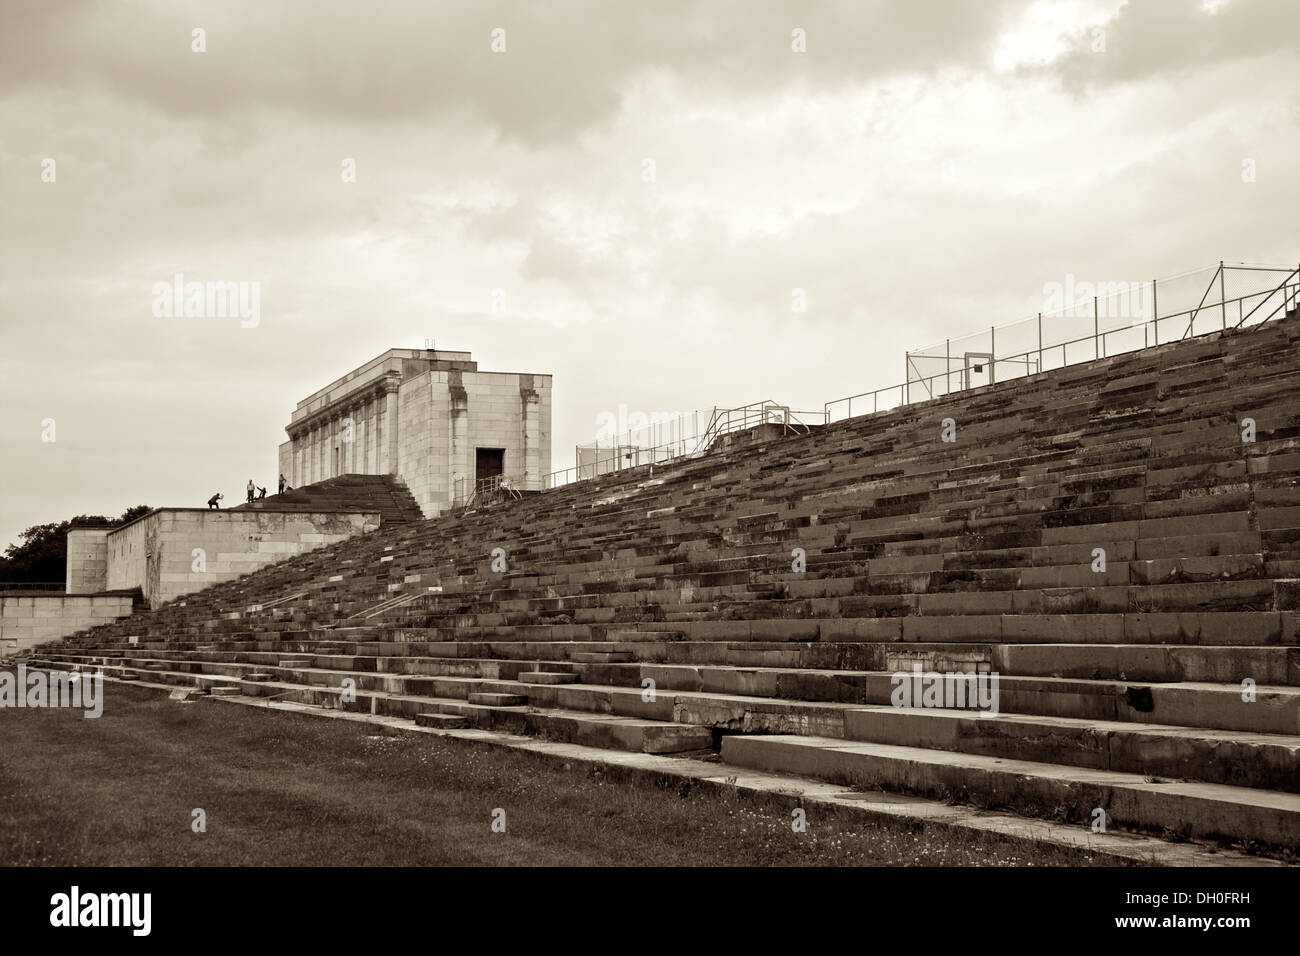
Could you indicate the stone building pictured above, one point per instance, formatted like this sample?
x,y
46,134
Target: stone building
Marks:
x,y
429,417
171,552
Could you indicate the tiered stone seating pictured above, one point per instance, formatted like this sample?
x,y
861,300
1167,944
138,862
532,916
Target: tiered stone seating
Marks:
x,y
386,495
1120,689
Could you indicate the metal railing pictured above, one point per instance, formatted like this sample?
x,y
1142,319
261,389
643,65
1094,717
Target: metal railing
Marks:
x,y
471,491
32,585
719,421
727,420
1067,337
1087,331
692,443
388,604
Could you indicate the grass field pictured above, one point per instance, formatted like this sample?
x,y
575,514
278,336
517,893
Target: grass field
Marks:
x,y
289,789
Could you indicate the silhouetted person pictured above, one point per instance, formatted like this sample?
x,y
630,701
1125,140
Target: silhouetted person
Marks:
x,y
261,493
283,485
212,502
251,488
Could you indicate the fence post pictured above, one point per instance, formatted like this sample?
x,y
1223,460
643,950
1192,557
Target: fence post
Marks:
x,y
1096,331
947,366
1040,342
1155,313
993,354
1223,301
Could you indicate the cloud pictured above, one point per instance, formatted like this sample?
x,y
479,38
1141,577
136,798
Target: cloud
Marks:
x,y
1153,39
566,65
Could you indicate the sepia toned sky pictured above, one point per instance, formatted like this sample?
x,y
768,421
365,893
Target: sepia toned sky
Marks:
x,y
645,182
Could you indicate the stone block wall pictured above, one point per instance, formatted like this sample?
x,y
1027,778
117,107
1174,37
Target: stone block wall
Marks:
x,y
30,619
448,415
418,416
129,548
175,551
284,467
87,569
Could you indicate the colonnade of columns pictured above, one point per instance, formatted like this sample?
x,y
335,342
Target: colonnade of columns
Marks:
x,y
355,436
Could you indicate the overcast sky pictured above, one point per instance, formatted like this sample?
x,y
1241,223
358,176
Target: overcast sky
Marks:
x,y
922,170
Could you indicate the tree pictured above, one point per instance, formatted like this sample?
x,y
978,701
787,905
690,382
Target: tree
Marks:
x,y
42,552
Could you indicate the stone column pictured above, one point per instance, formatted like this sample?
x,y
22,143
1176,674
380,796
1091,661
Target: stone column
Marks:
x,y
532,478
377,435
363,438
360,442
340,430
358,439
381,434
331,456
372,435
391,427
345,446
354,413
460,476
368,448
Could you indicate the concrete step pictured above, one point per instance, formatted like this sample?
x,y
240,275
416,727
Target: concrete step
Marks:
x,y
1263,761
1130,801
620,635
600,657
441,721
498,700
607,731
691,659
779,698
547,677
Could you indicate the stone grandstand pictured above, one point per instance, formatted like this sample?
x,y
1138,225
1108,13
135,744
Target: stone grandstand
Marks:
x,y
660,610
384,495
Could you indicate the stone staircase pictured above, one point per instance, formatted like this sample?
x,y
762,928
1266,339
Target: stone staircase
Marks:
x,y
661,612
386,495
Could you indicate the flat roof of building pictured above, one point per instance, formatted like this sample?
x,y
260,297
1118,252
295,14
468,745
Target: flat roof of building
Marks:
x,y
385,362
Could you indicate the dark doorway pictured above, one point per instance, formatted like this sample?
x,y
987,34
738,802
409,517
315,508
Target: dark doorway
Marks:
x,y
489,462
